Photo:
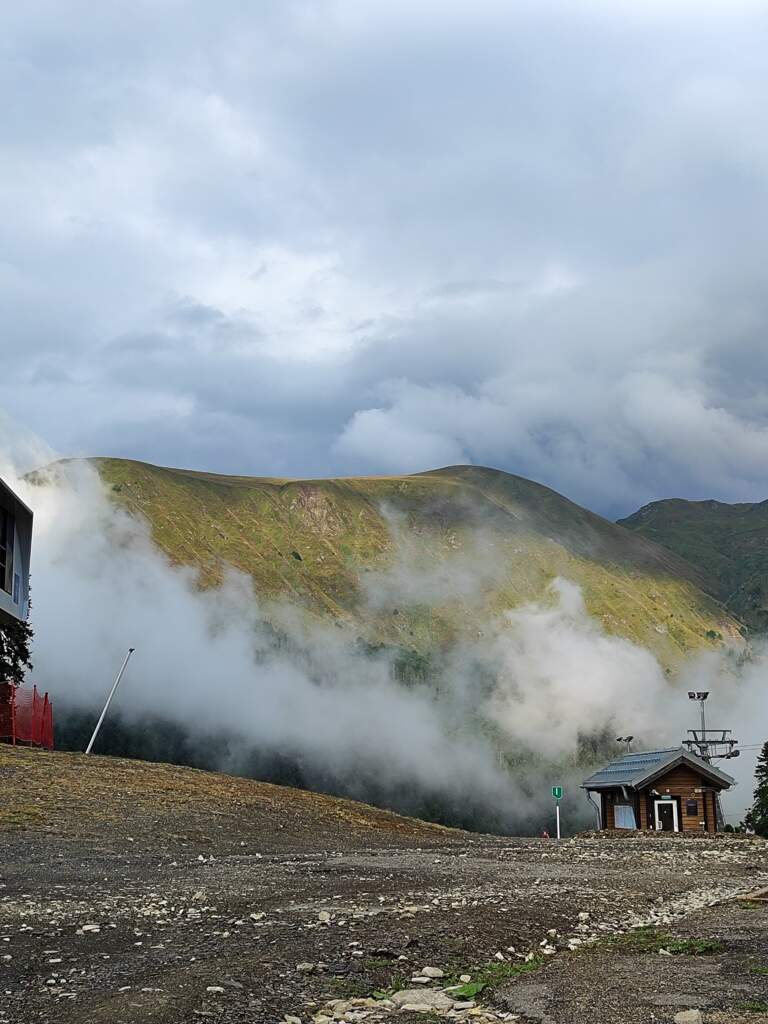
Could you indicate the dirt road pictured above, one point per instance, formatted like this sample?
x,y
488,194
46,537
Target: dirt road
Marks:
x,y
195,897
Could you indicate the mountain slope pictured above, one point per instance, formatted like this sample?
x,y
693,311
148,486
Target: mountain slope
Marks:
x,y
77,796
728,544
417,561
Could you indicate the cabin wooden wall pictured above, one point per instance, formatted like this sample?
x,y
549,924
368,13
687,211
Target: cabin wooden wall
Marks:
x,y
681,783
684,784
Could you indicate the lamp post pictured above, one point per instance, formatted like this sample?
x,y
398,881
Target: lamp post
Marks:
x,y
700,696
112,692
627,740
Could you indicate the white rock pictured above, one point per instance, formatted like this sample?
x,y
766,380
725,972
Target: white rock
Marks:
x,y
432,972
689,1017
465,978
214,988
421,999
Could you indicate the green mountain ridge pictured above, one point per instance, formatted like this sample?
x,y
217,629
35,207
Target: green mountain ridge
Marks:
x,y
417,562
727,543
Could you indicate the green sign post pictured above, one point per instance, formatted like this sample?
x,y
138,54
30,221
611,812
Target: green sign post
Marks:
x,y
557,793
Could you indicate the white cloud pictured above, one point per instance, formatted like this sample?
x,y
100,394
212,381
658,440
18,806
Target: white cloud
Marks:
x,y
527,234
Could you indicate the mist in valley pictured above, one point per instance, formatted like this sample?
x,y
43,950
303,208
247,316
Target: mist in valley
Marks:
x,y
224,679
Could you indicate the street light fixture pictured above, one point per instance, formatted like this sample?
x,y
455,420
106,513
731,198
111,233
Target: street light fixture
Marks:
x,y
701,696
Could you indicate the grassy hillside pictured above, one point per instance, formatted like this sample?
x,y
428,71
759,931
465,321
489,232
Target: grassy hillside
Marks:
x,y
727,543
70,795
416,561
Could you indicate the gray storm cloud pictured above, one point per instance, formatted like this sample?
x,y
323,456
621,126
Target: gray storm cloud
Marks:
x,y
340,236
207,662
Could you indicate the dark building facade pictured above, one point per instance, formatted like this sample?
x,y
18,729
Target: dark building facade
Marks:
x,y
15,551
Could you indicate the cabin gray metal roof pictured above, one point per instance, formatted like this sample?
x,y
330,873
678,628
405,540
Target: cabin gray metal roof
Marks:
x,y
638,769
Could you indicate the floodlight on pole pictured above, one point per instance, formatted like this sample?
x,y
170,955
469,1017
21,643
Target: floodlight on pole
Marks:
x,y
700,696
112,692
627,740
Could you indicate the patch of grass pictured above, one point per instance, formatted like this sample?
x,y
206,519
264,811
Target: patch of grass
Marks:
x,y
695,947
491,975
396,984
751,905
347,988
485,977
21,816
754,1006
651,940
377,963
758,969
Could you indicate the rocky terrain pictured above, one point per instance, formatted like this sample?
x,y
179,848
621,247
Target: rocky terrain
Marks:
x,y
147,893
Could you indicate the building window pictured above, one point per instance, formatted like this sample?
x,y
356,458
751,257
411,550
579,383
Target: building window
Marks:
x,y
6,549
624,816
692,808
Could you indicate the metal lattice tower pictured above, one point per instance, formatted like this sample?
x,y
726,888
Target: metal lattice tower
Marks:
x,y
709,744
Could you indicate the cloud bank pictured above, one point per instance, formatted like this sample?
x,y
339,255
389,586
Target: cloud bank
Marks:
x,y
266,684
331,236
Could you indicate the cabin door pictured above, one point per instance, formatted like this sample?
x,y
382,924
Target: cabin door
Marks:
x,y
666,815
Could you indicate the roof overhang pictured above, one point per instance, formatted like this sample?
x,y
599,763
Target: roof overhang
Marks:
x,y
676,758
9,499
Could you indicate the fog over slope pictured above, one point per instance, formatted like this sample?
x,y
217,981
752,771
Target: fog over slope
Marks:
x,y
418,561
257,683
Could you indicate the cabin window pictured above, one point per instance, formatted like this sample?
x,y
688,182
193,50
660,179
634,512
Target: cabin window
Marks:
x,y
692,808
624,816
6,549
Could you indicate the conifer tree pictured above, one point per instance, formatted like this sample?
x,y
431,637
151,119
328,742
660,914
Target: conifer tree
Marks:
x,y
15,659
757,817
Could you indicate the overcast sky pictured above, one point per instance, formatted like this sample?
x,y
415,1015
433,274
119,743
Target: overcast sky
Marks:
x,y
347,236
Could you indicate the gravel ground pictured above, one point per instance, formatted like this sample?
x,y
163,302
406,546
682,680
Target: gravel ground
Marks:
x,y
272,906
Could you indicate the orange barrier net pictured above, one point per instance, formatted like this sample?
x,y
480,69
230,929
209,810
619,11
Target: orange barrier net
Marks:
x,y
25,716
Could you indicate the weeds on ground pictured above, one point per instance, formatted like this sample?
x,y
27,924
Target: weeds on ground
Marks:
x,y
758,969
650,940
491,975
377,963
21,816
485,977
396,984
754,1006
347,988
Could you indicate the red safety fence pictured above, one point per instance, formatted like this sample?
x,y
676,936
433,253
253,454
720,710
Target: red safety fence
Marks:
x,y
25,716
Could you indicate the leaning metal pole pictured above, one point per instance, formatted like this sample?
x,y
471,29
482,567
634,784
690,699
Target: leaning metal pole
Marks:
x,y
109,699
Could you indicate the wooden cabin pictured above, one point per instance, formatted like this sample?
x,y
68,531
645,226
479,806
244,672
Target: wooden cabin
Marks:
x,y
669,790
